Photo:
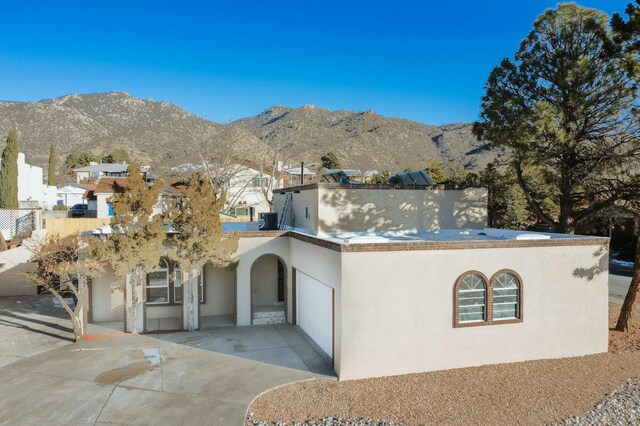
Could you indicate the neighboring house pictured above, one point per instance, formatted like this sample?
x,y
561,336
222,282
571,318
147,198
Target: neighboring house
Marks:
x,y
97,170
32,191
98,195
297,175
248,187
71,195
395,279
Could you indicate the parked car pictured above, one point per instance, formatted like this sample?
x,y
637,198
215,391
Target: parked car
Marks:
x,y
79,210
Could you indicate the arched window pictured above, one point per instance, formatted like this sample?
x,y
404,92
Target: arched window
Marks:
x,y
506,296
471,298
158,284
177,283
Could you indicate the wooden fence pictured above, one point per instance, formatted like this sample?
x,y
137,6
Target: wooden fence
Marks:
x,y
64,227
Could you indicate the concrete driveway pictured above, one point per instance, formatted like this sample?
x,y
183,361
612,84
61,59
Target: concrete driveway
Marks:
x,y
128,379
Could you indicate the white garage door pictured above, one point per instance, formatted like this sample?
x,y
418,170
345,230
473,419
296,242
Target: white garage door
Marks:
x,y
314,311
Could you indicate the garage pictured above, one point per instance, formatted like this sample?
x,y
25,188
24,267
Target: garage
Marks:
x,y
314,311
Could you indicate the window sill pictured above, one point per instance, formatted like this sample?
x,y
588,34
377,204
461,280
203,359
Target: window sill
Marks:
x,y
486,323
162,304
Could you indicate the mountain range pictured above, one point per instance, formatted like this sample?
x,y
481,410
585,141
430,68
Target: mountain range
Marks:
x,y
162,135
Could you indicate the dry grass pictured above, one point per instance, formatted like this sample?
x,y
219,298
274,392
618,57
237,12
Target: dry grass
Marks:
x,y
535,392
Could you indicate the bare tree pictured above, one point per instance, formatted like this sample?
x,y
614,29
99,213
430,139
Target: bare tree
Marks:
x,y
198,239
270,166
62,268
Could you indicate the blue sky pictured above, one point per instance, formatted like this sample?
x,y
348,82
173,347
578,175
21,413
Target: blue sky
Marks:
x,y
425,61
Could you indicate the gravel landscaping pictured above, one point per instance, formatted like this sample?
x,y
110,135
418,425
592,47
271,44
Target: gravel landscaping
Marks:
x,y
621,407
534,392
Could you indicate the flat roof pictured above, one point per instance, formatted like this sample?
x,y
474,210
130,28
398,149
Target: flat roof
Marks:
x,y
445,239
426,240
370,186
486,234
104,167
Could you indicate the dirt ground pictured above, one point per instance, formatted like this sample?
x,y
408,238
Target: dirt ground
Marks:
x,y
534,392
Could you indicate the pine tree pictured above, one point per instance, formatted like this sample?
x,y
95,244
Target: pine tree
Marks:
x,y
330,161
563,112
135,245
199,238
627,34
9,173
52,165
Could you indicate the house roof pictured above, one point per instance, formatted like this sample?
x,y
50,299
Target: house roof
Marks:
x,y
104,167
104,186
296,171
72,189
191,167
174,187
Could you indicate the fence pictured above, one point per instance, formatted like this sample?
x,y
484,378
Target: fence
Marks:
x,y
19,223
64,227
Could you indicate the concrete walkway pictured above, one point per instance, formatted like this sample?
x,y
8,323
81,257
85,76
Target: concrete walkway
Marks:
x,y
122,380
279,344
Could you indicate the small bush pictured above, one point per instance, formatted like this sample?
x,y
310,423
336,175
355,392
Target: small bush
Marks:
x,y
59,207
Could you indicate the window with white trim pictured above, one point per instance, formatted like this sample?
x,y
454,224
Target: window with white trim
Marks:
x,y
472,299
506,295
259,182
158,284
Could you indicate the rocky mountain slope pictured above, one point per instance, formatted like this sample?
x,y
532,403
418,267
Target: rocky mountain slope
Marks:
x,y
162,134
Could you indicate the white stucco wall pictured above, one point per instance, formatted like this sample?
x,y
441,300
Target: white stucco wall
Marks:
x,y
31,186
102,205
159,311
325,266
219,291
376,210
107,302
14,266
250,249
397,309
335,209
265,281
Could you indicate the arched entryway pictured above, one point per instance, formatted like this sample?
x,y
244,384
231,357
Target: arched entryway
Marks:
x,y
268,290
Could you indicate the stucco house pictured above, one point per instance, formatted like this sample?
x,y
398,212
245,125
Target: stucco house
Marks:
x,y
98,195
70,195
97,170
32,191
392,279
247,185
248,189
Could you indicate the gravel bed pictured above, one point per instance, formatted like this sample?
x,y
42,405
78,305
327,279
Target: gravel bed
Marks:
x,y
621,407
534,392
329,421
